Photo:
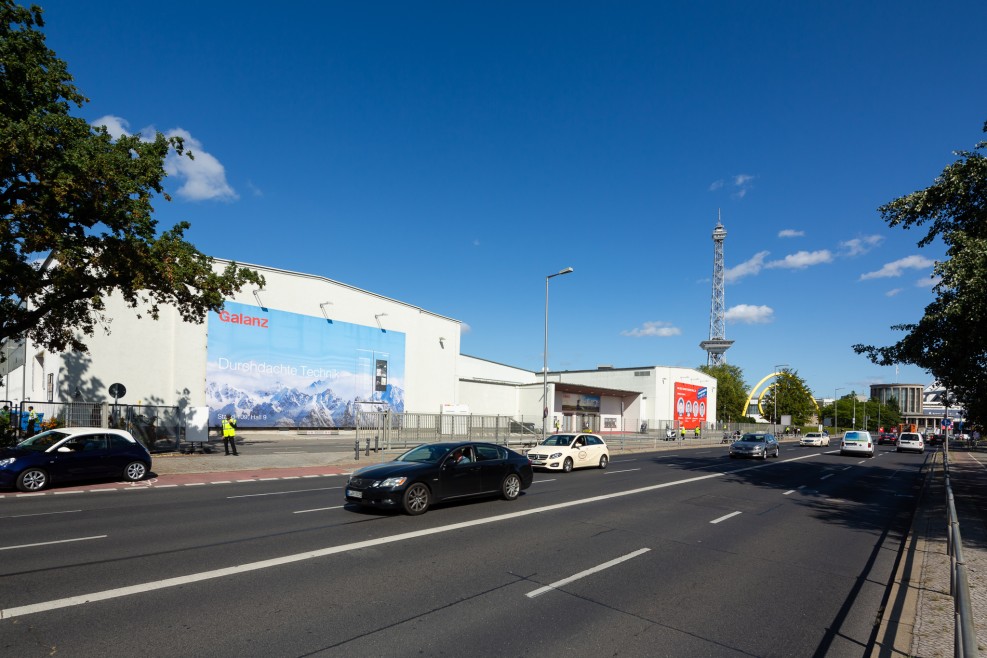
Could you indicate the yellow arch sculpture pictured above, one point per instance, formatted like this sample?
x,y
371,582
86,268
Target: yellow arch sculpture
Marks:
x,y
750,398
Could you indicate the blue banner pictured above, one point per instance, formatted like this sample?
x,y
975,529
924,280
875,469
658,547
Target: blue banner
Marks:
x,y
272,368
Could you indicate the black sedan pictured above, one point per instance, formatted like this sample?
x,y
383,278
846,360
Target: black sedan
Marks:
x,y
436,472
74,453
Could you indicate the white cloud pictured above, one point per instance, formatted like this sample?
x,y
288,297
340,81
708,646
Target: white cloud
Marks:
x,y
204,176
791,233
715,185
930,282
858,246
741,180
464,328
747,268
116,126
801,260
898,267
741,183
893,292
748,314
662,329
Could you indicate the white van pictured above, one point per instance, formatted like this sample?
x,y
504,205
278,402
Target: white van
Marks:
x,y
857,442
910,441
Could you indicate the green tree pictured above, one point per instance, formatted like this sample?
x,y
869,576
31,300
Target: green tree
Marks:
x,y
731,391
79,202
950,340
794,399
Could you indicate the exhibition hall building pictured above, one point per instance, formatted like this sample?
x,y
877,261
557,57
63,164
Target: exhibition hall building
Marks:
x,y
305,351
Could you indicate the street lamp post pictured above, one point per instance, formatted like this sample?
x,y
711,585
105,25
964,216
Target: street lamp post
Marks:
x,y
836,409
777,390
544,372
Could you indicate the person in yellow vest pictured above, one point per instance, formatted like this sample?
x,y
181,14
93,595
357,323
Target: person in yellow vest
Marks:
x,y
682,432
229,434
697,431
32,419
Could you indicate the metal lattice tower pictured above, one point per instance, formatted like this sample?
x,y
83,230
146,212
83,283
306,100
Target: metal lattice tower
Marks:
x,y
717,344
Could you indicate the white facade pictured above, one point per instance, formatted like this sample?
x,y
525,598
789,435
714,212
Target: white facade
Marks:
x,y
163,362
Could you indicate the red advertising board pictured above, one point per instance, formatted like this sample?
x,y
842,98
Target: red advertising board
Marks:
x,y
690,405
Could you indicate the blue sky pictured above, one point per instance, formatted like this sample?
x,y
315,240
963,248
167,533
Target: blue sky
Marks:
x,y
451,155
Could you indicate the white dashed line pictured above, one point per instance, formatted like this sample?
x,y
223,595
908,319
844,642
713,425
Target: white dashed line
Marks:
x,y
49,543
725,517
582,574
627,470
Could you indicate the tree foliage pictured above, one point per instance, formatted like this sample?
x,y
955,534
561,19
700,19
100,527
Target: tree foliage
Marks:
x,y
950,340
731,390
870,415
794,399
76,219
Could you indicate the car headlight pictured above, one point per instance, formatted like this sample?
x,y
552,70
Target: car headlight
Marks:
x,y
555,455
390,483
8,461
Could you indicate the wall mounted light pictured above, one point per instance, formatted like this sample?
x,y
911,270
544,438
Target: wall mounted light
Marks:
x,y
378,317
257,297
442,342
324,313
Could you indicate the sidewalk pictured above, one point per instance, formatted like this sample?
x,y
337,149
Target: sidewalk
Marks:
x,y
919,618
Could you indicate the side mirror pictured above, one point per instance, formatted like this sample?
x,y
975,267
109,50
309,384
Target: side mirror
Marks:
x,y
64,449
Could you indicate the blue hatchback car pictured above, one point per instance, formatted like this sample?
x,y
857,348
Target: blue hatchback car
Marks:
x,y
73,453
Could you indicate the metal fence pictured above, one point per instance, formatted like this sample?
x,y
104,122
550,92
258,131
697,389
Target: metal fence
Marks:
x,y
965,634
159,428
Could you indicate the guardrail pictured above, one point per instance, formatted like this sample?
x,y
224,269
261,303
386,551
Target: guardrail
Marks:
x,y
964,635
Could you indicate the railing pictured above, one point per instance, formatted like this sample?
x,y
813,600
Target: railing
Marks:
x,y
965,635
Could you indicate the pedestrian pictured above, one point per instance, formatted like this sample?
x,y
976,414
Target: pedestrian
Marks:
x,y
229,434
682,432
556,424
32,418
698,432
5,418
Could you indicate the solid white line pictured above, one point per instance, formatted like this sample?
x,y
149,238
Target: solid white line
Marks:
x,y
49,543
626,470
318,509
582,574
828,475
21,516
540,481
334,550
725,517
279,493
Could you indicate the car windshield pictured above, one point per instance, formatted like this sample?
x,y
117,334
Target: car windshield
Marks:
x,y
425,454
558,440
756,438
855,436
43,441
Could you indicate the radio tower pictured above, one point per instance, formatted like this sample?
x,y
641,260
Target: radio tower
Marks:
x,y
717,344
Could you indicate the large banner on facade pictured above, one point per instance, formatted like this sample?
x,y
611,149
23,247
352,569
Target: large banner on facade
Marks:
x,y
277,369
690,405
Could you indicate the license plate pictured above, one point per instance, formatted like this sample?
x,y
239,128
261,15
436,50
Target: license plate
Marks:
x,y
354,494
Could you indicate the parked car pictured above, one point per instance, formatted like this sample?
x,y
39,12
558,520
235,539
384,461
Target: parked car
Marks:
x,y
436,472
857,442
887,438
755,444
73,453
564,452
815,439
910,441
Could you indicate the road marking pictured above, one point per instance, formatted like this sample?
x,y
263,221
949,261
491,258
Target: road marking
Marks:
x,y
279,493
65,493
626,470
221,482
847,468
195,484
165,486
318,509
725,517
828,475
540,481
49,543
582,574
105,595
21,516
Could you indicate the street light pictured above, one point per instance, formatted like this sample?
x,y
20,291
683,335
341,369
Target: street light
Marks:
x,y
836,409
544,371
777,390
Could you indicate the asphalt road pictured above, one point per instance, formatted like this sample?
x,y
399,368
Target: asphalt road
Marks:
x,y
662,554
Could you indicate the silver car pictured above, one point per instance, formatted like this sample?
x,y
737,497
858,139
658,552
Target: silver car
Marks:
x,y
911,441
755,444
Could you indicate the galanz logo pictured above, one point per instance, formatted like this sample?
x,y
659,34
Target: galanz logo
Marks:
x,y
242,318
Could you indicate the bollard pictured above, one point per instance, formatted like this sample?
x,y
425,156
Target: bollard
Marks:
x,y
356,449
376,442
368,447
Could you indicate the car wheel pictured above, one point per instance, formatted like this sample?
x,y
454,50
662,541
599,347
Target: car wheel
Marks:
x,y
777,452
32,479
604,460
567,465
135,471
416,499
897,449
511,487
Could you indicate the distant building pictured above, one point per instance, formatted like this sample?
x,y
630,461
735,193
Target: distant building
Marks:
x,y
920,405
